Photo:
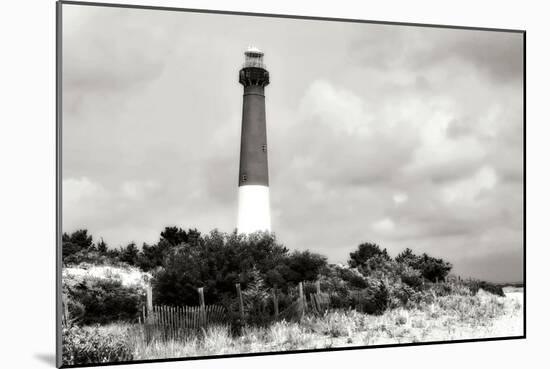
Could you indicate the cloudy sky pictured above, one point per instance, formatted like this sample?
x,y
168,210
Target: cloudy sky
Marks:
x,y
403,136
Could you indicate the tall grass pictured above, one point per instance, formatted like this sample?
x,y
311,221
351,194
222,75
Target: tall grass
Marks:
x,y
441,318
449,317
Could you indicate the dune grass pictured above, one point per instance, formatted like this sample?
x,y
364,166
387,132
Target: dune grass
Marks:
x,y
451,317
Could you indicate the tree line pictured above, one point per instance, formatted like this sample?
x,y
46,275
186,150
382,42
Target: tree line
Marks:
x,y
183,260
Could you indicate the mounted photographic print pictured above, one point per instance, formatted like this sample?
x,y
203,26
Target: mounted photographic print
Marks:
x,y
238,184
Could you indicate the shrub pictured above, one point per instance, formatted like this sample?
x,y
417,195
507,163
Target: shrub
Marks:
x,y
216,262
475,285
379,267
372,300
352,277
87,345
340,280
400,295
365,252
75,242
431,268
104,301
340,300
256,300
411,277
303,266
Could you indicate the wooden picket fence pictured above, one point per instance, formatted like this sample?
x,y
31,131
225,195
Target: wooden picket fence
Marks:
x,y
178,322
319,302
169,322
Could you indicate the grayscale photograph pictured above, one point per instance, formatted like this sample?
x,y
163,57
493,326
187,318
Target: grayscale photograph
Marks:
x,y
234,184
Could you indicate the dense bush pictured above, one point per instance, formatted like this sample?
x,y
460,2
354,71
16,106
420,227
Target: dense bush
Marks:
x,y
365,252
347,288
302,266
380,267
181,261
98,300
378,301
78,247
219,260
76,242
411,277
372,300
432,269
256,300
476,285
352,277
153,256
89,345
400,294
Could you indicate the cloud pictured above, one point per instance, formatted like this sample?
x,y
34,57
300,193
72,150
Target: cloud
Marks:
x,y
494,55
400,198
79,189
136,190
127,52
340,110
383,225
404,136
467,190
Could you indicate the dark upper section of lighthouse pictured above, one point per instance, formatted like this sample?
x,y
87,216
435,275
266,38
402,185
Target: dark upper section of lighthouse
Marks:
x,y
254,72
254,77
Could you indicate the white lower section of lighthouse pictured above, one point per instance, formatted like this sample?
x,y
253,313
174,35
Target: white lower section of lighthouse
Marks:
x,y
254,214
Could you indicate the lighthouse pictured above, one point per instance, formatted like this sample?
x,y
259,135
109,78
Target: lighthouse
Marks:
x,y
254,210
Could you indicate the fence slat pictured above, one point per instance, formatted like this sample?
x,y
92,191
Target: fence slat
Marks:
x,y
170,322
176,322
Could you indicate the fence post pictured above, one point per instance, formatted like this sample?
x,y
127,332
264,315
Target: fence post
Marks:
x,y
241,304
301,292
149,299
275,303
436,280
318,286
202,312
65,309
200,290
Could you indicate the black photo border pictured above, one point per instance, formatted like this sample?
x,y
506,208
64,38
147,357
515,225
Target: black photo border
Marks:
x,y
59,126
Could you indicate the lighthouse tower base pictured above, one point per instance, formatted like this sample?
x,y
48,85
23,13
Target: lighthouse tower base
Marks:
x,y
254,214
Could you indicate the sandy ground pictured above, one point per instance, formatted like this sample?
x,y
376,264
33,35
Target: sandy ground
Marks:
x,y
507,325
512,324
128,276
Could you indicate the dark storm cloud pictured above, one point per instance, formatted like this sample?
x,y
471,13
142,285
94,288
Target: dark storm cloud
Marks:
x,y
405,136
